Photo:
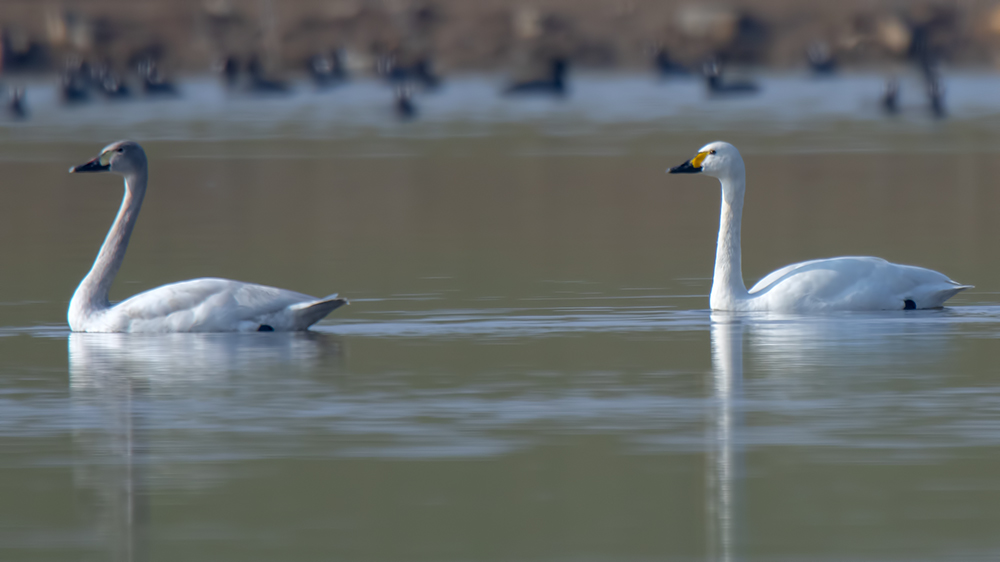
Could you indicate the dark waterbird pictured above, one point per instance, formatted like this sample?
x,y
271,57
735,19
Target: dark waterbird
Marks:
x,y
326,69
74,84
260,83
553,84
19,53
405,108
420,71
890,97
228,68
666,66
15,103
926,54
153,81
718,86
935,96
820,58
112,87
104,78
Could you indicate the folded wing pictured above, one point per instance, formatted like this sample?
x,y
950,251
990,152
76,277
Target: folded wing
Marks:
x,y
218,305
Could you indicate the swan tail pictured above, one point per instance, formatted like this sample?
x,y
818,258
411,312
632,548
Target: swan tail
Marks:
x,y
938,298
308,313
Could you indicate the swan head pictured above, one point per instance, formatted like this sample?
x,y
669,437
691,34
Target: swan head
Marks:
x,y
717,159
124,157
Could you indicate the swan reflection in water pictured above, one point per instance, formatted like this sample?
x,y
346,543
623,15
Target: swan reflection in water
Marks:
x,y
798,362
115,380
163,360
724,470
792,344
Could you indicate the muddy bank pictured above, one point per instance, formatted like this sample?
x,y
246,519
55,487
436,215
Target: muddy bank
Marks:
x,y
189,36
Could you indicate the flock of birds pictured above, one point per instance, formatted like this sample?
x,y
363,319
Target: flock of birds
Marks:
x,y
221,305
80,80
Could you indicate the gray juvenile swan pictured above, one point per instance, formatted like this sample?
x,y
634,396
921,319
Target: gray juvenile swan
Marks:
x,y
199,305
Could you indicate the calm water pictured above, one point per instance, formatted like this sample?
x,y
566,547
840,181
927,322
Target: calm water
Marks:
x,y
527,370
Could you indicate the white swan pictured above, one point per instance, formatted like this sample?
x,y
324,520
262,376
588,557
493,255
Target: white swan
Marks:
x,y
199,305
834,284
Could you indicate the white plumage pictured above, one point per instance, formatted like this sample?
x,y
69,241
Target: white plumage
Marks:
x,y
199,305
834,284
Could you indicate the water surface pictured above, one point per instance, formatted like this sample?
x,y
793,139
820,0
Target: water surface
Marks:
x,y
527,371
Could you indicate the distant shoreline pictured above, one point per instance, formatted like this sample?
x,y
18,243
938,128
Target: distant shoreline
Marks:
x,y
189,36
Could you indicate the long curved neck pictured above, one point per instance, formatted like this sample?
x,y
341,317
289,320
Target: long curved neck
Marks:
x,y
727,282
92,294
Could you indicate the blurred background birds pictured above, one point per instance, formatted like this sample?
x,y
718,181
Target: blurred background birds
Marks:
x,y
120,50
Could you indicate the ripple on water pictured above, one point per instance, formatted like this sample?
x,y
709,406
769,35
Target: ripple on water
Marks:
x,y
521,322
853,381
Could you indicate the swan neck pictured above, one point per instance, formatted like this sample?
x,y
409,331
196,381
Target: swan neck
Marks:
x,y
93,293
727,282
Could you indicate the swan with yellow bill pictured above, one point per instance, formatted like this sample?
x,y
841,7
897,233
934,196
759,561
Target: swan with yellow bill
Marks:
x,y
833,284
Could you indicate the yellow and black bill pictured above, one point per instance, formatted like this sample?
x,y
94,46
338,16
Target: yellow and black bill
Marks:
x,y
100,164
692,166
